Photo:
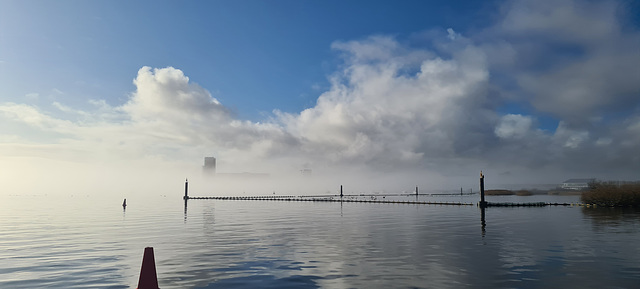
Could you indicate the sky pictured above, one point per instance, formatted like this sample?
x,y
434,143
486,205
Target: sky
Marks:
x,y
376,94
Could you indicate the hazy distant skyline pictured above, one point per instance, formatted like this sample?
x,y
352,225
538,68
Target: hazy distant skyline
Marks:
x,y
528,91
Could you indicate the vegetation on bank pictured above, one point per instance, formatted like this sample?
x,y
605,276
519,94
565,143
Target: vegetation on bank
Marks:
x,y
498,193
523,193
507,193
613,195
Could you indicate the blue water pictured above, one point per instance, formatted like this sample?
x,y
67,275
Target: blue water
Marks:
x,y
91,242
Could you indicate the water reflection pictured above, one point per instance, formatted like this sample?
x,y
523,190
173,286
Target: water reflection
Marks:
x,y
266,281
483,222
612,217
208,220
185,209
229,244
307,245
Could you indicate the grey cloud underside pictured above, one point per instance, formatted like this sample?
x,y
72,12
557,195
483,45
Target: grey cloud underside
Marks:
x,y
573,59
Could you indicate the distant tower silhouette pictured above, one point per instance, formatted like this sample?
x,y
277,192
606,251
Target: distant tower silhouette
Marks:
x,y
209,167
305,172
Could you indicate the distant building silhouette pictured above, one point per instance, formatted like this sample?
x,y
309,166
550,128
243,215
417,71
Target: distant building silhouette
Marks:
x,y
576,184
305,172
209,165
209,169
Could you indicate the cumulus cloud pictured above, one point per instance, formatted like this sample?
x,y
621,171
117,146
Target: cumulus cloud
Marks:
x,y
376,114
513,126
166,94
570,138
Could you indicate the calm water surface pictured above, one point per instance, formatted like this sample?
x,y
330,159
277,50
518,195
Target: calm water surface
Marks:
x,y
90,242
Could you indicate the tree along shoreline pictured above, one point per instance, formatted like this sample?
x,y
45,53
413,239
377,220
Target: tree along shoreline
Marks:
x,y
533,192
612,195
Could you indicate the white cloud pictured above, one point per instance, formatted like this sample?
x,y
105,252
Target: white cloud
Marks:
x,y
603,142
33,117
65,108
371,49
377,115
452,35
174,112
166,94
513,126
570,138
32,96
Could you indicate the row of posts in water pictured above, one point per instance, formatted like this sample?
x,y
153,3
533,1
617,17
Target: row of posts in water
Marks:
x,y
352,198
321,198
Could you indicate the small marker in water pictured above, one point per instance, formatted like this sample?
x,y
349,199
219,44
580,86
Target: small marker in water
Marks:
x,y
148,277
124,204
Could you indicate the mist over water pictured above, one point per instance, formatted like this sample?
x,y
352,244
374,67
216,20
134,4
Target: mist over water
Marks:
x,y
35,176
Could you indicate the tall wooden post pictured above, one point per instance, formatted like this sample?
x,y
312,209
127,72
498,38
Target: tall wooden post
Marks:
x,y
148,276
340,191
416,190
186,189
483,203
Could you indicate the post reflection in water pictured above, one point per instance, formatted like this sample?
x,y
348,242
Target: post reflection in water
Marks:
x,y
124,209
483,222
185,210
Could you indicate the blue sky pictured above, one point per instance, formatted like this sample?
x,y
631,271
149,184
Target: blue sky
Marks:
x,y
549,89
255,56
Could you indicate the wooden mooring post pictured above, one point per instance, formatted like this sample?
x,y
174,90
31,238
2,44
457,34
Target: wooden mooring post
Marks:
x,y
483,203
186,189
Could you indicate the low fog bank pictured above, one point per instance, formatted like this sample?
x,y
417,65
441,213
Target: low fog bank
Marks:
x,y
129,179
41,176
358,182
